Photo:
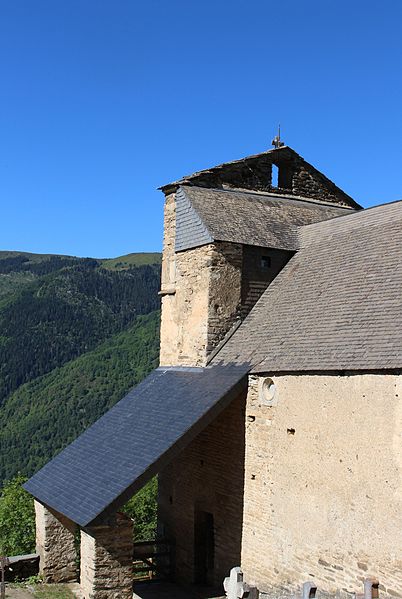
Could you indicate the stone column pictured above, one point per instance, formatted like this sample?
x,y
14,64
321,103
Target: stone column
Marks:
x,y
107,560
55,544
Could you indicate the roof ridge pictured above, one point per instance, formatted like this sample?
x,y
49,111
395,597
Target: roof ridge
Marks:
x,y
271,195
357,219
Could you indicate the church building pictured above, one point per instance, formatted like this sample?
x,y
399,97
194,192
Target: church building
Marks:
x,y
274,422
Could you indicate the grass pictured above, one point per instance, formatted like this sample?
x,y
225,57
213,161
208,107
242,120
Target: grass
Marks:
x,y
52,591
119,263
33,258
14,281
130,260
39,590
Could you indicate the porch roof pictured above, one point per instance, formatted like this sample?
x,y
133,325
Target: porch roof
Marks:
x,y
116,456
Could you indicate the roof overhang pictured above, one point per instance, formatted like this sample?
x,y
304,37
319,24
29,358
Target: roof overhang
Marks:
x,y
97,473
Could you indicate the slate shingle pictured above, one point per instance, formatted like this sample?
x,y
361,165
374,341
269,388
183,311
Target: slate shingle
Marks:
x,y
204,215
116,456
337,304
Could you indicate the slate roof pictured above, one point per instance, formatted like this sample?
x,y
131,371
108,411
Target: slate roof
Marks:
x,y
337,304
205,215
116,456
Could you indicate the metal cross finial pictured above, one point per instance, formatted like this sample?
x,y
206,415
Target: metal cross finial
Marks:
x,y
276,142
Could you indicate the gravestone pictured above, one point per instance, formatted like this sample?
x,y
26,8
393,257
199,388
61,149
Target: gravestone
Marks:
x,y
236,588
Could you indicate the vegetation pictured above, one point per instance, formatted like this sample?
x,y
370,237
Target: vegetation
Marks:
x,y
52,591
75,335
17,519
130,260
142,509
35,587
12,282
66,311
17,516
43,416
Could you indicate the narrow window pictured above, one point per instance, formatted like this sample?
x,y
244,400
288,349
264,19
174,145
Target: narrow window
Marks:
x,y
275,176
265,262
282,175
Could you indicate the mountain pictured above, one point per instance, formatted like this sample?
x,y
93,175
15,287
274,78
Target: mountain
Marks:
x,y
55,308
44,415
75,335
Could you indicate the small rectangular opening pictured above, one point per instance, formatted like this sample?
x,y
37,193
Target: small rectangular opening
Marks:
x,y
275,176
265,262
282,175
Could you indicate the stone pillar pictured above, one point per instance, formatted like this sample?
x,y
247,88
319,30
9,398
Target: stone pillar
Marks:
x,y
107,560
55,544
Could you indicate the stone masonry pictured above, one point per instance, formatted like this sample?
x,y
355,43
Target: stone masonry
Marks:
x,y
206,290
260,267
207,476
55,544
295,176
106,560
323,491
201,296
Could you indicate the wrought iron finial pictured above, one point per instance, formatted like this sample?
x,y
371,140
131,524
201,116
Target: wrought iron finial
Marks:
x,y
276,142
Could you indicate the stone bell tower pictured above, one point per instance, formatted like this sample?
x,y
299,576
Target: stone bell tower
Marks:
x,y
200,295
222,248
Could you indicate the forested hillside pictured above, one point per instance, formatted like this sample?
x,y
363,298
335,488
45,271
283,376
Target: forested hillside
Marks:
x,y
73,339
43,416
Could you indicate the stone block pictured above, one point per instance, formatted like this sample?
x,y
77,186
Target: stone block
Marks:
x,y
55,544
106,560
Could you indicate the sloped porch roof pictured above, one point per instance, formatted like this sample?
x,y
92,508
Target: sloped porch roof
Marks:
x,y
116,456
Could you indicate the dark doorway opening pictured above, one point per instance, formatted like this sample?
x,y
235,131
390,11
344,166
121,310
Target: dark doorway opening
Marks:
x,y
204,548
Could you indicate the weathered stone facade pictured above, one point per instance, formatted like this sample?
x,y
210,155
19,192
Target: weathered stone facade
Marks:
x,y
201,296
323,491
208,477
295,176
260,267
106,560
55,544
205,290
297,480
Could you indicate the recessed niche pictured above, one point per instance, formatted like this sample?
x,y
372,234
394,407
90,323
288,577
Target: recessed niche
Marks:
x,y
267,392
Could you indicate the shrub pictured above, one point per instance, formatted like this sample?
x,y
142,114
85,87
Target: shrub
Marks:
x,y
142,508
17,519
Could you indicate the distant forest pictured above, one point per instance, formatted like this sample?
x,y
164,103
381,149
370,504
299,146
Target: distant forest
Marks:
x,y
75,335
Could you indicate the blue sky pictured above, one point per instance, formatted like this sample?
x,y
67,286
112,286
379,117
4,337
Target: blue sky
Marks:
x,y
102,101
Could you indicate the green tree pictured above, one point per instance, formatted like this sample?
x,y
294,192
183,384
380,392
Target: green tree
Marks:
x,y
17,519
142,509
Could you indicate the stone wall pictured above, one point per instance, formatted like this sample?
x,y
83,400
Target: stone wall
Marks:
x,y
55,544
184,326
224,294
260,267
201,295
323,484
207,477
308,182
168,277
295,176
106,560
